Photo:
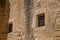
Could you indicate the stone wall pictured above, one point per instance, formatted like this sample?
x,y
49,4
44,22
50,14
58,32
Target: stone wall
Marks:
x,y
17,18
51,9
50,31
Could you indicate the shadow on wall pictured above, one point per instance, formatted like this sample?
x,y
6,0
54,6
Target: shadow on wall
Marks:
x,y
4,17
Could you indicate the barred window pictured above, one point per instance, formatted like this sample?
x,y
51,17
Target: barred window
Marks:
x,y
41,20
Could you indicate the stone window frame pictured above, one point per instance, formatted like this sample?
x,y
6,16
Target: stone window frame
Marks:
x,y
38,15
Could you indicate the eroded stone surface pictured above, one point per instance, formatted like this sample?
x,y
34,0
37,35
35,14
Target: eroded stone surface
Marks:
x,y
51,8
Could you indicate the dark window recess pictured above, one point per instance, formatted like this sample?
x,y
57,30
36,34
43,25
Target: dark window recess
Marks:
x,y
10,27
41,20
2,4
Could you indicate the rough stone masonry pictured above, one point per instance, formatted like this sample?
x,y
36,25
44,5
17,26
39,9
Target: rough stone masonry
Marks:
x,y
51,30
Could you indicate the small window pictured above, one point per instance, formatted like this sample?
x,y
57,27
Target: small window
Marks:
x,y
41,20
10,27
2,4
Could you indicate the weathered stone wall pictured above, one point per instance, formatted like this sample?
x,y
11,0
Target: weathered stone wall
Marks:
x,y
51,8
17,17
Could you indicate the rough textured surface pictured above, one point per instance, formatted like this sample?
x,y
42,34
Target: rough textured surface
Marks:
x,y
4,16
17,16
51,30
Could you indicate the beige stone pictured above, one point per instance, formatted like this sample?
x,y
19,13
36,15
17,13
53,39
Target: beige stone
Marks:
x,y
51,9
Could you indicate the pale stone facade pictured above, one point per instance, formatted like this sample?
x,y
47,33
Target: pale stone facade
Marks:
x,y
51,30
